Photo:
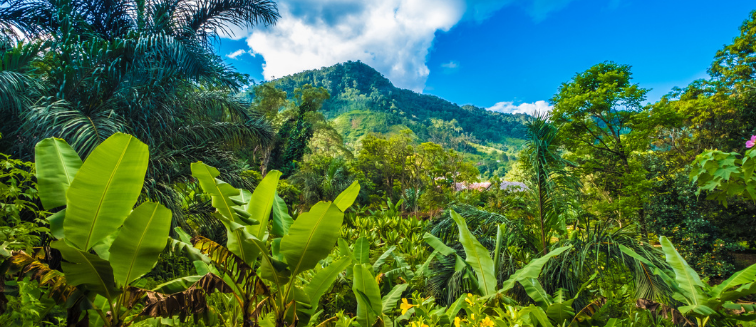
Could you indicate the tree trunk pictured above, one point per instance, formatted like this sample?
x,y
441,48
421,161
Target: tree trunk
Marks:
x,y
540,213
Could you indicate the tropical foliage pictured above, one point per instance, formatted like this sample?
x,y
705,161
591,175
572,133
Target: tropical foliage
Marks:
x,y
144,182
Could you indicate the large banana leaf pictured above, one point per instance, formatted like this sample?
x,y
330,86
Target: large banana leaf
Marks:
x,y
273,269
477,257
56,224
312,237
324,279
346,198
239,240
388,302
362,250
688,281
532,269
56,164
104,190
140,241
368,295
221,192
443,249
437,244
745,276
86,269
261,203
281,219
536,292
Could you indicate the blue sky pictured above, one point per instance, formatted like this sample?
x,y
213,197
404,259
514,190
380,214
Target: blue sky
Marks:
x,y
508,55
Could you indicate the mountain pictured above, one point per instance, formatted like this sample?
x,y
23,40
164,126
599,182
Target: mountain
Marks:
x,y
364,101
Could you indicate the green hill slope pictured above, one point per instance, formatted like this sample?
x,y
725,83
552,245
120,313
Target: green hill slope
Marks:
x,y
364,101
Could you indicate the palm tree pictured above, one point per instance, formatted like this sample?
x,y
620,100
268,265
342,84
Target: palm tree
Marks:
x,y
146,68
549,176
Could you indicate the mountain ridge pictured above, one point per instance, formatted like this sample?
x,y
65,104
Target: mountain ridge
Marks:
x,y
364,101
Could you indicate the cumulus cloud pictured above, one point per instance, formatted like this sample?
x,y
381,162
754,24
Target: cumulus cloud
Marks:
x,y
236,54
392,36
508,107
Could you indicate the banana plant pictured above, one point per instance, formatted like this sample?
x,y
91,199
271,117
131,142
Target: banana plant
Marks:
x,y
95,202
708,303
479,261
371,307
259,228
704,302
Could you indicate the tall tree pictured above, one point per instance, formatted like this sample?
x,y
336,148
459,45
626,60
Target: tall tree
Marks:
x,y
601,110
144,68
548,170
297,130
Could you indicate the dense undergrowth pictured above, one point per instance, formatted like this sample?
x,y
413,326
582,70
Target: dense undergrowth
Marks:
x,y
142,185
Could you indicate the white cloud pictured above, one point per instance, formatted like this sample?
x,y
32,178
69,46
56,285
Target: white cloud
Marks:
x,y
236,54
509,107
392,36
452,64
450,67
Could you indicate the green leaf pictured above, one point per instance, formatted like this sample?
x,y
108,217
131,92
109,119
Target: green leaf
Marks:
x,y
104,190
745,276
56,224
312,237
281,219
346,198
239,242
453,309
497,249
177,285
95,319
438,245
560,312
243,198
687,279
389,301
536,292
368,295
362,250
382,259
274,270
88,270
102,248
538,314
220,191
424,267
56,164
477,257
261,203
325,278
532,269
140,241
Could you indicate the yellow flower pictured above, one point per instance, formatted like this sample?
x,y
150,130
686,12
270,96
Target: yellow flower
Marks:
x,y
486,322
405,306
468,301
472,317
469,294
456,321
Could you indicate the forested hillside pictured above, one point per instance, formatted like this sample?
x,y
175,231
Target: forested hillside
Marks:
x,y
362,101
